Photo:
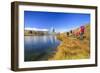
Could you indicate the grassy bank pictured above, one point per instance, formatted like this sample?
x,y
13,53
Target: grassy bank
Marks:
x,y
73,48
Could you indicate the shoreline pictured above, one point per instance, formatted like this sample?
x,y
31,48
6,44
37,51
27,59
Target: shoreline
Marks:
x,y
71,49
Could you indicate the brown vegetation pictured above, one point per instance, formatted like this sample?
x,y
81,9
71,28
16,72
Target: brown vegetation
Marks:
x,y
73,48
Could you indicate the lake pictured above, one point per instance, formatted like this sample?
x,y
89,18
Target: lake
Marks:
x,y
38,48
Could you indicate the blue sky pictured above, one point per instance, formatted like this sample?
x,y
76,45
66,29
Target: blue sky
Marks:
x,y
61,22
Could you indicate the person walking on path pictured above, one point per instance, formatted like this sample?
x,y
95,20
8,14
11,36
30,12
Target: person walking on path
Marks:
x,y
82,30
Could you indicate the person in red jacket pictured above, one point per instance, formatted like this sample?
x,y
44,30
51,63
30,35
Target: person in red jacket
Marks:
x,y
82,30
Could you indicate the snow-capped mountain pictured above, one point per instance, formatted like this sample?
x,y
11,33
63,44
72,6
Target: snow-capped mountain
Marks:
x,y
36,29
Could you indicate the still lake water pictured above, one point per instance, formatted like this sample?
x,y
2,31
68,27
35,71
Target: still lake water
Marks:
x,y
39,48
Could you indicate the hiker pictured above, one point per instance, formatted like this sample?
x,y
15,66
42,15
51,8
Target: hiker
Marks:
x,y
74,34
77,34
71,33
67,33
82,29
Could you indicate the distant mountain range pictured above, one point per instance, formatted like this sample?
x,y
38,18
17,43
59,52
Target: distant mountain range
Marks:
x,y
36,29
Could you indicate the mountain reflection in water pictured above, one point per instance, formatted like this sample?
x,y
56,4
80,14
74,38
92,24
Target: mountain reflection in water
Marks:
x,y
39,48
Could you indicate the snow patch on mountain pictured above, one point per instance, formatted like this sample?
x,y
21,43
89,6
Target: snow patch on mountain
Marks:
x,y
36,29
